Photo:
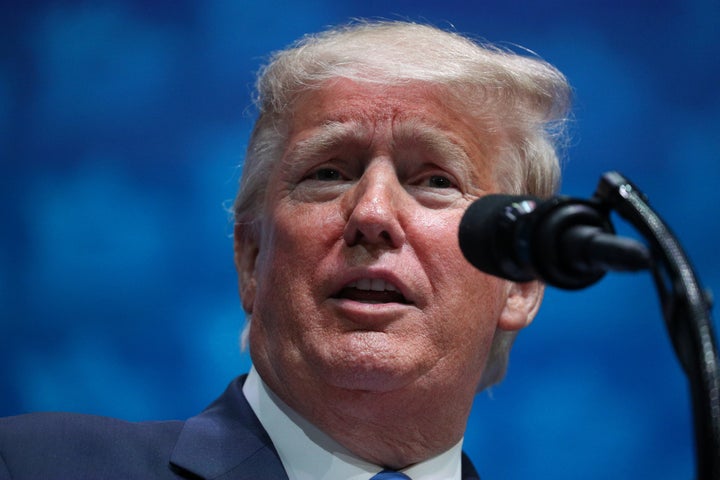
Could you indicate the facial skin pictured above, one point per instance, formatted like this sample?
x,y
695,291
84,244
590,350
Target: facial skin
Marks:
x,y
368,195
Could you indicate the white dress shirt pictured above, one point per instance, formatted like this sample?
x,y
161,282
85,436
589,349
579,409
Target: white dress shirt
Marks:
x,y
309,454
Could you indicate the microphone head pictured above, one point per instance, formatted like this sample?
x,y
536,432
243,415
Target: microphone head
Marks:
x,y
522,238
487,235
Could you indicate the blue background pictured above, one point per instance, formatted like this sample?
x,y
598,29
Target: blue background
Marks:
x,y
122,124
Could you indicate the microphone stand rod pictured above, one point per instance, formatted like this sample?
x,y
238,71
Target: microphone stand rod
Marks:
x,y
686,308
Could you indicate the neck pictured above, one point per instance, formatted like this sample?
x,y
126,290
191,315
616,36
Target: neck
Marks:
x,y
392,429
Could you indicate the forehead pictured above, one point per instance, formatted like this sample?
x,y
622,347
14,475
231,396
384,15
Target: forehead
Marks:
x,y
377,111
344,100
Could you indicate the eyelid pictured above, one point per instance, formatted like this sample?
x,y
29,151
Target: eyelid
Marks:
x,y
449,178
314,172
335,164
434,171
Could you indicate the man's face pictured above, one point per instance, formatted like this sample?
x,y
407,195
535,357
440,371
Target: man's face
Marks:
x,y
356,281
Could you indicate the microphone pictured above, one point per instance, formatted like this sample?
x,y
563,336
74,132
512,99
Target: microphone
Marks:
x,y
565,242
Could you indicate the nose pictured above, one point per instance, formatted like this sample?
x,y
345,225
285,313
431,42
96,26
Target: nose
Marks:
x,y
374,208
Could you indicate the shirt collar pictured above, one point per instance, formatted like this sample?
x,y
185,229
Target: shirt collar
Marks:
x,y
309,454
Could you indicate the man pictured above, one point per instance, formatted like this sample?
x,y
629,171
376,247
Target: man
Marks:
x,y
369,334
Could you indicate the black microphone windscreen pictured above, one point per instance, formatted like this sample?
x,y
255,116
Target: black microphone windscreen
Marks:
x,y
486,234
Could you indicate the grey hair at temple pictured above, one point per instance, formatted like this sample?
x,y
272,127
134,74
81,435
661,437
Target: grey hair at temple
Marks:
x,y
519,101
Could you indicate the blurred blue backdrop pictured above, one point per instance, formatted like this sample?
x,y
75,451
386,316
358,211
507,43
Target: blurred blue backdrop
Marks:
x,y
122,124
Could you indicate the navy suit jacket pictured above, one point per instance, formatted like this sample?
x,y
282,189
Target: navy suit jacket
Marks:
x,y
226,441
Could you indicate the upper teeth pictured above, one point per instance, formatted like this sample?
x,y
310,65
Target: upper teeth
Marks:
x,y
375,284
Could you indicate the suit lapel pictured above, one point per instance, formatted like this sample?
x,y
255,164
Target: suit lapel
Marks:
x,y
227,441
468,469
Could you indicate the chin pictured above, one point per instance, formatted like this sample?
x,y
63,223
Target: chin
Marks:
x,y
370,381
360,364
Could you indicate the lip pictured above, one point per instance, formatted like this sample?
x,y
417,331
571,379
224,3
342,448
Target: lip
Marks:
x,y
389,276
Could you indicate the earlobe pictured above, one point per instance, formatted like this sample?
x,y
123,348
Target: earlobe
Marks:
x,y
246,251
522,305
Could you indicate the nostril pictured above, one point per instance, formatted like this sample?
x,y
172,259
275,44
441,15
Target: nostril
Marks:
x,y
353,238
357,237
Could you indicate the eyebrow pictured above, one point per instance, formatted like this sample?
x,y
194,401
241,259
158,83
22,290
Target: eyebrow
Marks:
x,y
333,134
437,141
328,137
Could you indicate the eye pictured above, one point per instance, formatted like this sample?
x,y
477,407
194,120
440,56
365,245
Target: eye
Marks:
x,y
439,181
326,174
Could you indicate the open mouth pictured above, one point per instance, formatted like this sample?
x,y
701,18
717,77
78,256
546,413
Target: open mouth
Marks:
x,y
375,290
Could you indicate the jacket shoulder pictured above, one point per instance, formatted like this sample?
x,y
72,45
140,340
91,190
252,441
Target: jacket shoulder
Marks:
x,y
68,445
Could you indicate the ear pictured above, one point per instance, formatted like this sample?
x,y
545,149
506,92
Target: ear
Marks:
x,y
522,304
245,246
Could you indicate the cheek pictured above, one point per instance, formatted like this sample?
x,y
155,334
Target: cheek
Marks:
x,y
298,233
478,301
475,298
437,246
282,266
295,242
